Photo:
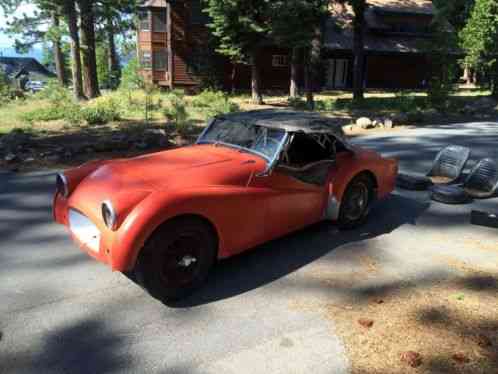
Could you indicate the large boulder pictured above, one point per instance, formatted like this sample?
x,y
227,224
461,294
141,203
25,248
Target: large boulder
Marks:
x,y
364,123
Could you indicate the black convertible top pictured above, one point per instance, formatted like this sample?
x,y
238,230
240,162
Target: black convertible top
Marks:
x,y
289,121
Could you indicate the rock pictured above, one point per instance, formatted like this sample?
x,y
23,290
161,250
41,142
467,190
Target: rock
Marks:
x,y
365,322
484,341
378,123
157,132
141,145
14,139
10,157
53,158
461,358
118,138
164,142
364,123
412,358
388,123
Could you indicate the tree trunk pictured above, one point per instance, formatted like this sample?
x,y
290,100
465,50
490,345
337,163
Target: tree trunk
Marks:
x,y
114,67
72,22
308,84
294,90
313,66
57,50
88,57
358,51
257,97
232,78
467,75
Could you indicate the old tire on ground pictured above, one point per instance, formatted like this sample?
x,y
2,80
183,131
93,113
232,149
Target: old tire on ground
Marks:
x,y
450,195
413,182
176,260
355,204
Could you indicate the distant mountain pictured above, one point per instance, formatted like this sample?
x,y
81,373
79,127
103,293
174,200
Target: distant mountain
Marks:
x,y
11,52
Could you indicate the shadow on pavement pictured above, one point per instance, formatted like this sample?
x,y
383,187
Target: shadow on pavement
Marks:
x,y
274,260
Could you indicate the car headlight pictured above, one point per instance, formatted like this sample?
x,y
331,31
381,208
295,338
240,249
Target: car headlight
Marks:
x,y
109,215
61,184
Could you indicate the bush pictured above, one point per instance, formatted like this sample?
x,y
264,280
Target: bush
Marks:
x,y
43,115
4,88
176,108
213,103
69,112
101,111
55,94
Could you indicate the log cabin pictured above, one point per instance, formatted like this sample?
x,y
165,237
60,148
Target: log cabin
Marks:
x,y
173,34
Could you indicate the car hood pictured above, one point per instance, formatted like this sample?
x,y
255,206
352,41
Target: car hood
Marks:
x,y
198,165
128,181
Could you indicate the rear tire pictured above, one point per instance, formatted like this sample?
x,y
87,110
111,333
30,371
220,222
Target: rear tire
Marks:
x,y
177,259
356,201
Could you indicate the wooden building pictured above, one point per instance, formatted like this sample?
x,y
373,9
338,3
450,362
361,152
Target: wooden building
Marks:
x,y
172,39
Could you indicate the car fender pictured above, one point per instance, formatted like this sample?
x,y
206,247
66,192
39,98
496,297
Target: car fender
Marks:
x,y
161,206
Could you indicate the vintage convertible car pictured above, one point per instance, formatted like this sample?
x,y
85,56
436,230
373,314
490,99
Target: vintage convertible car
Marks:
x,y
251,177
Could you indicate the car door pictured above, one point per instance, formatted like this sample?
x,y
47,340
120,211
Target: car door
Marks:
x,y
290,203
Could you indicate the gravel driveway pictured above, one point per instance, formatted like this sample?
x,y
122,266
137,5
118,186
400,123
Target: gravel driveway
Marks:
x,y
264,311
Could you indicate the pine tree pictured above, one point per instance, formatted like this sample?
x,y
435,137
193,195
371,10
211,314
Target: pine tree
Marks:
x,y
241,28
479,39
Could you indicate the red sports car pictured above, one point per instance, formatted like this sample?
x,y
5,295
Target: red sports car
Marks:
x,y
251,177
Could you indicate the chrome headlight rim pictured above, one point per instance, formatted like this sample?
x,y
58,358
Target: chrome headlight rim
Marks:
x,y
109,215
64,189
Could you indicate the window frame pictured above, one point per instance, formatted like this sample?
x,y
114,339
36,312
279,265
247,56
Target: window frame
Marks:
x,y
149,66
146,19
280,61
158,14
166,59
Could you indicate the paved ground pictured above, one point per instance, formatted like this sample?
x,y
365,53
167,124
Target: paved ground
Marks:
x,y
261,312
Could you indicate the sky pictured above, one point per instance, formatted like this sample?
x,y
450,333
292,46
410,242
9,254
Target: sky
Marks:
x,y
6,42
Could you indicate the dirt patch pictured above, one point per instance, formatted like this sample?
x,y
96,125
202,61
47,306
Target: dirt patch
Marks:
x,y
446,327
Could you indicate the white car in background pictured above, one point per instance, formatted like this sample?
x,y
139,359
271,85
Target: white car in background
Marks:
x,y
35,86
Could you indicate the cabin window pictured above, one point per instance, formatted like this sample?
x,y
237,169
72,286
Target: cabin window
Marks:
x,y
143,20
280,61
160,59
159,22
146,59
197,16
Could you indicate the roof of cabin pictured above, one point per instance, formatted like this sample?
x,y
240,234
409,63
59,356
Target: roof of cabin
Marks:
x,y
15,66
339,32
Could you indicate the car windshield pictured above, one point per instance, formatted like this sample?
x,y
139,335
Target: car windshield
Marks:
x,y
245,136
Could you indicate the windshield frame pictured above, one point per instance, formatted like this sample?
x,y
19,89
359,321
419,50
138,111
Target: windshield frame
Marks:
x,y
270,160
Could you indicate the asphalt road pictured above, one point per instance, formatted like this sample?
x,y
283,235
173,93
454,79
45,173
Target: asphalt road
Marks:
x,y
261,312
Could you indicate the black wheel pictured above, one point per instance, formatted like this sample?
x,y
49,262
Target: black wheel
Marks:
x,y
355,204
176,260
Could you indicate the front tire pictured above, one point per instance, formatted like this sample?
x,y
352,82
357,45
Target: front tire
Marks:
x,y
356,202
177,259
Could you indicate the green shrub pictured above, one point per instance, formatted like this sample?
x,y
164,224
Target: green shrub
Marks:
x,y
101,111
176,108
43,115
55,93
213,103
69,112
